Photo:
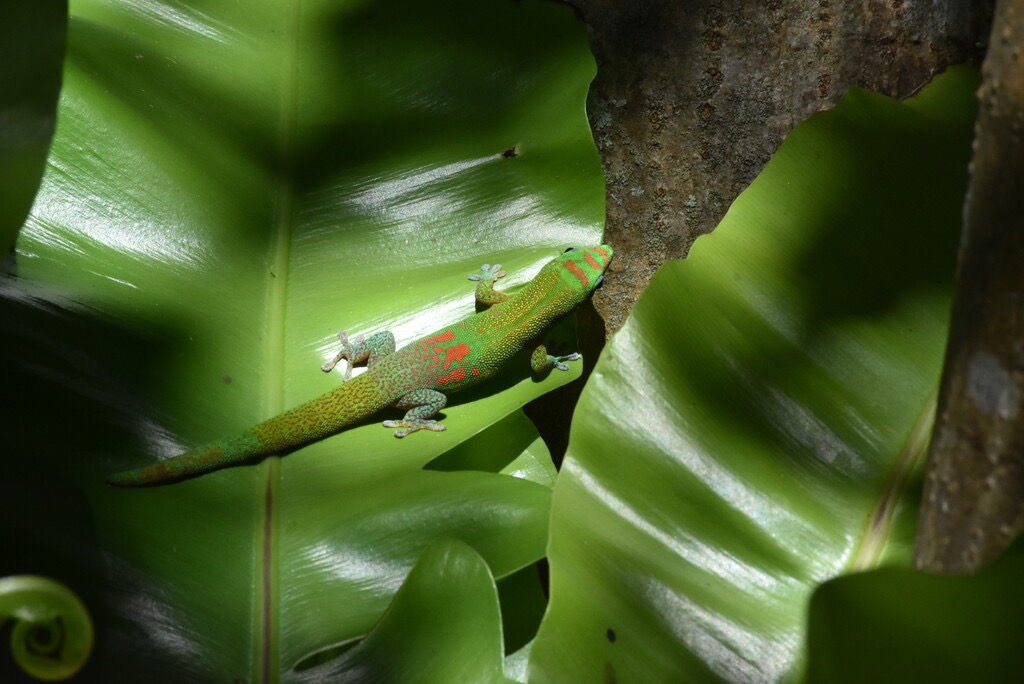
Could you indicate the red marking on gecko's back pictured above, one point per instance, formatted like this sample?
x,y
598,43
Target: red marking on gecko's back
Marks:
x,y
455,354
446,336
602,252
577,271
457,375
592,261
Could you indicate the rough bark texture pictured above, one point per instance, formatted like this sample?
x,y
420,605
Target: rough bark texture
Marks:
x,y
692,98
974,493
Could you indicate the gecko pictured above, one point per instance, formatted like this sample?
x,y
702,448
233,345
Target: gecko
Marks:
x,y
416,378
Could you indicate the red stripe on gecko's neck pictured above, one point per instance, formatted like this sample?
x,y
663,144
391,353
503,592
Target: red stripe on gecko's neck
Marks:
x,y
592,261
578,272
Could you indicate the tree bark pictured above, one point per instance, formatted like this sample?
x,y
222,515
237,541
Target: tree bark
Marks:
x,y
973,503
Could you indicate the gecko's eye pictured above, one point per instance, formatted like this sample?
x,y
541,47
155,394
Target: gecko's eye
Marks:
x,y
571,249
600,279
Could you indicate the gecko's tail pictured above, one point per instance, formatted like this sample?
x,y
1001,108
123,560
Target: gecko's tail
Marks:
x,y
356,400
242,449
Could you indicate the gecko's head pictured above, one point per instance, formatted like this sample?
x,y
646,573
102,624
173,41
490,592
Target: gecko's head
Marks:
x,y
581,269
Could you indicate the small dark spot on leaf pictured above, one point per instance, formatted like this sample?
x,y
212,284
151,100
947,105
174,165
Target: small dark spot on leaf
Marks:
x,y
228,380
510,152
611,635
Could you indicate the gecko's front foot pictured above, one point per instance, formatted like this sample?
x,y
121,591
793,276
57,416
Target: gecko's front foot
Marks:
x,y
559,361
410,426
486,295
542,362
488,273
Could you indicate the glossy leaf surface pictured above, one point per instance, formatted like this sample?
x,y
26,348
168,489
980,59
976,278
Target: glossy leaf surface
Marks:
x,y
758,425
443,626
229,185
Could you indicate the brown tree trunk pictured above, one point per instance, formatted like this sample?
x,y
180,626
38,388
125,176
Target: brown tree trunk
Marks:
x,y
974,492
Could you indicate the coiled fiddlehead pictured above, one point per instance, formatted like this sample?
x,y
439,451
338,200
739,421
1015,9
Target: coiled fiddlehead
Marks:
x,y
52,635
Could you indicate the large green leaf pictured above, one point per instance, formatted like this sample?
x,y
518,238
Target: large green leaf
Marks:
x,y
443,626
757,426
229,185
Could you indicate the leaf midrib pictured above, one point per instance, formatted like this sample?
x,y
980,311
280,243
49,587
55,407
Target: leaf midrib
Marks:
x,y
266,651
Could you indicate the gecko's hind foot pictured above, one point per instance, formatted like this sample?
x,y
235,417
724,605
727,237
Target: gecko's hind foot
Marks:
x,y
351,350
410,426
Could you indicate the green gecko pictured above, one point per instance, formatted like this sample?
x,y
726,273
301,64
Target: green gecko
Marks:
x,y
418,377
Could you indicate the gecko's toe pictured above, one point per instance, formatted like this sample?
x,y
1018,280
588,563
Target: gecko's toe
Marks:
x,y
409,426
559,361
